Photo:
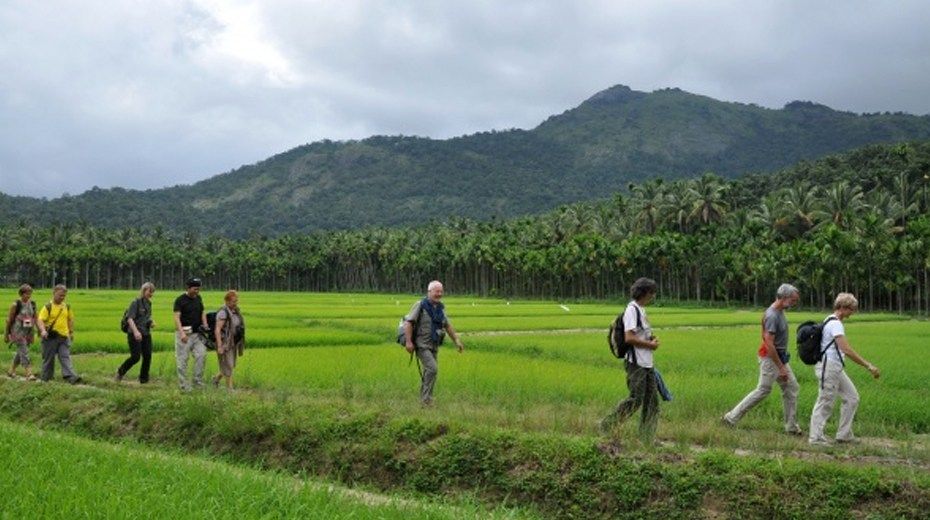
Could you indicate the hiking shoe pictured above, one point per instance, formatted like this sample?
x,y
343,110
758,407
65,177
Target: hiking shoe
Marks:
x,y
795,433
76,379
820,442
118,377
727,422
31,377
851,440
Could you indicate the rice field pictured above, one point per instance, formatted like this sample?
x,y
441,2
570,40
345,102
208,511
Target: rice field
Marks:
x,y
92,479
533,366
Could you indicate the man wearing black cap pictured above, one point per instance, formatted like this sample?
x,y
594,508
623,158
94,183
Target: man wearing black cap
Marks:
x,y
188,320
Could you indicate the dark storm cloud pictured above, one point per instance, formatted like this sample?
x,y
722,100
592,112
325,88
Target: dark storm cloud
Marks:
x,y
152,94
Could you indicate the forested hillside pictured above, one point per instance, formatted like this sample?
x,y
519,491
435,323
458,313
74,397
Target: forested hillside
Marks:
x,y
859,221
616,137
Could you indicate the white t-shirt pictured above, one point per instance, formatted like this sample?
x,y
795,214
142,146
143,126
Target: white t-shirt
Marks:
x,y
832,330
643,355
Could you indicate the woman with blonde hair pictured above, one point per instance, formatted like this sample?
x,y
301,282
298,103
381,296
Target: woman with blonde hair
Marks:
x,y
139,327
831,372
230,337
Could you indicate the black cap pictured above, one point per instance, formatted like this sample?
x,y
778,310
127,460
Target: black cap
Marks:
x,y
194,282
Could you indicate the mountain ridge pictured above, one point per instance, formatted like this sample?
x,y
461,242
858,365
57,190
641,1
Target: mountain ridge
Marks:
x,y
617,136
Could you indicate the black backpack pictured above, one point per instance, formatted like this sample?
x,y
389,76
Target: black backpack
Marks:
x,y
209,338
809,336
616,337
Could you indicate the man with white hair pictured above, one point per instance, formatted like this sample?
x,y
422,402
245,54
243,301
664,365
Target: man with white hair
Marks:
x,y
425,327
773,363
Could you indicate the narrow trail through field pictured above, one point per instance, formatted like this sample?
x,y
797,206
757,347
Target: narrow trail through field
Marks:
x,y
592,330
825,454
836,453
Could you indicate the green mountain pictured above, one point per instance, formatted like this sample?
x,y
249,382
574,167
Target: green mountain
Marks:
x,y
616,137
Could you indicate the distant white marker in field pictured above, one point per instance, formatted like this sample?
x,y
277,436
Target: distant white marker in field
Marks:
x,y
564,308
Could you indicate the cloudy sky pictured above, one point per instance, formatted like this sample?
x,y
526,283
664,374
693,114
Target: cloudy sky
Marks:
x,y
146,94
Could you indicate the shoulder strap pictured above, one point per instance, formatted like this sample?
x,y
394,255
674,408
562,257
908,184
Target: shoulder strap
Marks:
x,y
639,324
227,322
139,303
11,317
822,325
424,307
823,365
48,309
833,341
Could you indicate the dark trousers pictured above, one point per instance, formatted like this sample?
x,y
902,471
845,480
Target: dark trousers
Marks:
x,y
644,394
138,349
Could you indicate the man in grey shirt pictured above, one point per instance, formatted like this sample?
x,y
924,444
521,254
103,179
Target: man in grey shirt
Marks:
x,y
424,328
773,364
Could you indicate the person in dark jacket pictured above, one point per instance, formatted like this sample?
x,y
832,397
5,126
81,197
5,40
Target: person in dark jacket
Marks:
x,y
139,335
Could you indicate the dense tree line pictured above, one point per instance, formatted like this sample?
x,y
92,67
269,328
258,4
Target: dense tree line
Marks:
x,y
704,239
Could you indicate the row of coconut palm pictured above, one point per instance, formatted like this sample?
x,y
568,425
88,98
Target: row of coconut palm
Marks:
x,y
702,239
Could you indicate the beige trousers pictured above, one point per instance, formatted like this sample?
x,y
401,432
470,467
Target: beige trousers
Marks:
x,y
768,376
834,383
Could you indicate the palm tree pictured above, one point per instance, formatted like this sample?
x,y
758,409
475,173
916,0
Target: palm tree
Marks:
x,y
841,203
886,208
801,209
677,207
647,204
907,197
768,212
708,195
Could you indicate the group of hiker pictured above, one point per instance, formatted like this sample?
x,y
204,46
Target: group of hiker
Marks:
x,y
830,369
54,323
832,351
423,330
